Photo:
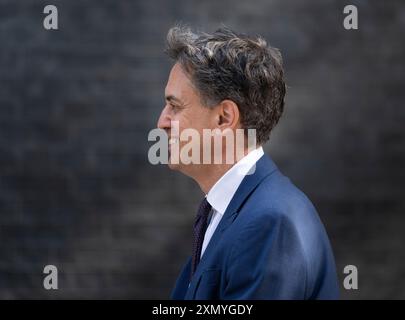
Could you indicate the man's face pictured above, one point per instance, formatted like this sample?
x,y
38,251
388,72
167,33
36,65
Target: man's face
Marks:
x,y
183,105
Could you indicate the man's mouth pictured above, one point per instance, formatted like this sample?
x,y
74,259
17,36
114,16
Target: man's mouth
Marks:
x,y
173,141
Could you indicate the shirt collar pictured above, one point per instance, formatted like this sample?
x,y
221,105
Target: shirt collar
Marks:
x,y
225,188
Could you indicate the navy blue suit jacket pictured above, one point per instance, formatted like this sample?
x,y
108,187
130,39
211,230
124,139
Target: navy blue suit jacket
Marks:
x,y
269,244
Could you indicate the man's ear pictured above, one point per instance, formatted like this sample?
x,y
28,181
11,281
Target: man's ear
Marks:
x,y
228,115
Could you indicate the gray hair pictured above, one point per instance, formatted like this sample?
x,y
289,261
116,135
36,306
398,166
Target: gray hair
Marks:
x,y
226,65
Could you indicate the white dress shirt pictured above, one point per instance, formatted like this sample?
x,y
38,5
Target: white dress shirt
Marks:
x,y
221,194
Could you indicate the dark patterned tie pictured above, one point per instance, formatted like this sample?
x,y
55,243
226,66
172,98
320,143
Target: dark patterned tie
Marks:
x,y
200,226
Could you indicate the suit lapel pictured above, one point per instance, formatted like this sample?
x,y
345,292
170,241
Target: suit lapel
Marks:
x,y
264,167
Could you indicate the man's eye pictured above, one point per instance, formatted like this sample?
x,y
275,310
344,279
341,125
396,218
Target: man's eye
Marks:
x,y
174,107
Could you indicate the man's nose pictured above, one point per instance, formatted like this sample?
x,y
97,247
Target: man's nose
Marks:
x,y
164,120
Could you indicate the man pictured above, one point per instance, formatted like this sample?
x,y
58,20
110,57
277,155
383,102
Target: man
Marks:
x,y
256,236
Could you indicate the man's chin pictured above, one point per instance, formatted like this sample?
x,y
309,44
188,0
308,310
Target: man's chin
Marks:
x,y
179,166
173,166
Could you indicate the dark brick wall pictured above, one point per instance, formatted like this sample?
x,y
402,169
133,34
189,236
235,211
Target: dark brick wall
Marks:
x,y
76,105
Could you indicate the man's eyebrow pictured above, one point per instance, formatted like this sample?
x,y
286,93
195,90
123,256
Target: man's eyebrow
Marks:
x,y
173,98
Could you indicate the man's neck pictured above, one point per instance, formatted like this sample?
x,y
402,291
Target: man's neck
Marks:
x,y
212,173
208,174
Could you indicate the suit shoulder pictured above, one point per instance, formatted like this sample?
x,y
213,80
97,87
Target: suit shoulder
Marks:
x,y
277,197
277,201
279,215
